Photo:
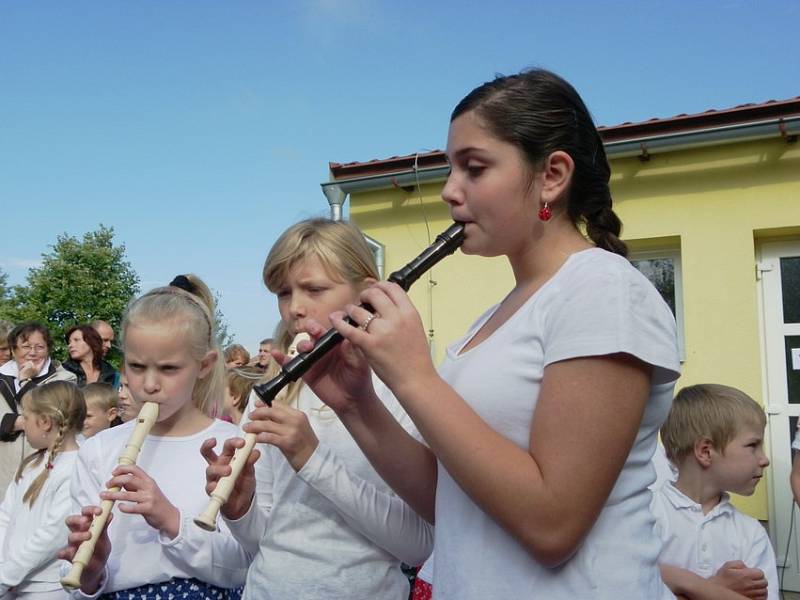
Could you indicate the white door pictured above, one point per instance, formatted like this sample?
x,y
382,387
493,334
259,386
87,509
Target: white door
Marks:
x,y
779,271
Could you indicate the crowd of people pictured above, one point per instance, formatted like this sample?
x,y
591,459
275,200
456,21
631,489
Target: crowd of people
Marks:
x,y
525,463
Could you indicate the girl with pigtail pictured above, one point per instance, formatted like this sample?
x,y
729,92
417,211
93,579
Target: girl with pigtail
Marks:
x,y
36,503
540,424
150,547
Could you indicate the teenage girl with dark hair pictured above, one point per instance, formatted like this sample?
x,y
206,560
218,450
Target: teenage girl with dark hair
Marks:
x,y
541,423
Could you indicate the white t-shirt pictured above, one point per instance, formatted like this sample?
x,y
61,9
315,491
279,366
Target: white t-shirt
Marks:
x,y
596,304
334,529
30,537
703,543
139,554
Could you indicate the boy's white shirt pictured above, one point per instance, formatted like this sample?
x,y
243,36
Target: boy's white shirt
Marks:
x,y
703,543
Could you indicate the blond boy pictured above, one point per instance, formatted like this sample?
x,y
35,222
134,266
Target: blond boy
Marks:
x,y
101,408
714,436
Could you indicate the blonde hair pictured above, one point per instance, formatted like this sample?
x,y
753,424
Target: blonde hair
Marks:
x,y
192,306
340,247
707,410
240,383
62,402
235,351
101,394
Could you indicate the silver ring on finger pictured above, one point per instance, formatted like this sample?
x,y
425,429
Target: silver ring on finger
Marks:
x,y
365,324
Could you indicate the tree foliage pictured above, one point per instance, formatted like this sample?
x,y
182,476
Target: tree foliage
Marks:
x,y
78,281
4,293
224,337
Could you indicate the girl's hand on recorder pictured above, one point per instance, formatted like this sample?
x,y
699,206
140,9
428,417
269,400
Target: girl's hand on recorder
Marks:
x,y
342,378
219,466
78,526
140,495
394,341
285,428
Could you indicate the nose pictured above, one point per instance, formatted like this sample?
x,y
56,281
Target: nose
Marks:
x,y
451,193
151,384
763,461
297,307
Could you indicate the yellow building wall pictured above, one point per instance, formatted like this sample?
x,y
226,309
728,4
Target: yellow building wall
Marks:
x,y
714,204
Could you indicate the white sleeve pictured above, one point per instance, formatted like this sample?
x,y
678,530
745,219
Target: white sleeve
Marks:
x,y
381,516
6,510
42,544
214,556
250,528
86,481
607,307
264,466
85,491
762,556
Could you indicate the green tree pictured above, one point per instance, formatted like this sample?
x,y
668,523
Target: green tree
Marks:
x,y
78,282
224,337
4,295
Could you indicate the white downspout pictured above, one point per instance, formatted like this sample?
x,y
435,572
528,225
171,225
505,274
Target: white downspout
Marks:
x,y
336,198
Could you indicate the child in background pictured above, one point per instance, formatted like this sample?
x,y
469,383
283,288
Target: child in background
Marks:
x,y
101,408
32,514
151,548
240,383
714,436
127,406
236,356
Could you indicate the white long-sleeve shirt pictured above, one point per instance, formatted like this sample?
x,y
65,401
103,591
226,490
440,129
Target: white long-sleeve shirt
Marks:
x,y
139,554
30,536
334,529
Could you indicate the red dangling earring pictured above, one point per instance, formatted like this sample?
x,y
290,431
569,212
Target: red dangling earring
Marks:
x,y
545,213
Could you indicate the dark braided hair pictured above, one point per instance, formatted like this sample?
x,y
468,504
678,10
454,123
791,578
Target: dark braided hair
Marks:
x,y
539,112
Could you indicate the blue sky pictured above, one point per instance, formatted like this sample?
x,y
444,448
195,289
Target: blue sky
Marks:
x,y
201,129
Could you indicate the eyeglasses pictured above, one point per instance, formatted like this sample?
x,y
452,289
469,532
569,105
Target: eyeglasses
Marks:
x,y
27,348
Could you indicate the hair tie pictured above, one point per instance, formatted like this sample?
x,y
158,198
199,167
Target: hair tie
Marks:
x,y
182,282
49,466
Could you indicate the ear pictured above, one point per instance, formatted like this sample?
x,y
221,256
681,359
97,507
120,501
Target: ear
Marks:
x,y
704,452
44,422
368,281
207,363
556,175
112,413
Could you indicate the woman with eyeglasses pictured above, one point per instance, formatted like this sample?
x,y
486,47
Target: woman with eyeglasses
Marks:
x,y
30,366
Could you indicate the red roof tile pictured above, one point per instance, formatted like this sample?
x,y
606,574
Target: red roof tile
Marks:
x,y
681,123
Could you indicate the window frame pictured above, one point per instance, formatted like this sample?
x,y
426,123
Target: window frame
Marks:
x,y
673,254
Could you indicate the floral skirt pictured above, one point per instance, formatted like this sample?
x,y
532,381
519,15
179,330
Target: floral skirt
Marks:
x,y
175,589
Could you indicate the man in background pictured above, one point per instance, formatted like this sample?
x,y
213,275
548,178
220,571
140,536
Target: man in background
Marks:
x,y
106,334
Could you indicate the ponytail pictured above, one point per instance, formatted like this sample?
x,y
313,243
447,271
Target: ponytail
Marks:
x,y
603,228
